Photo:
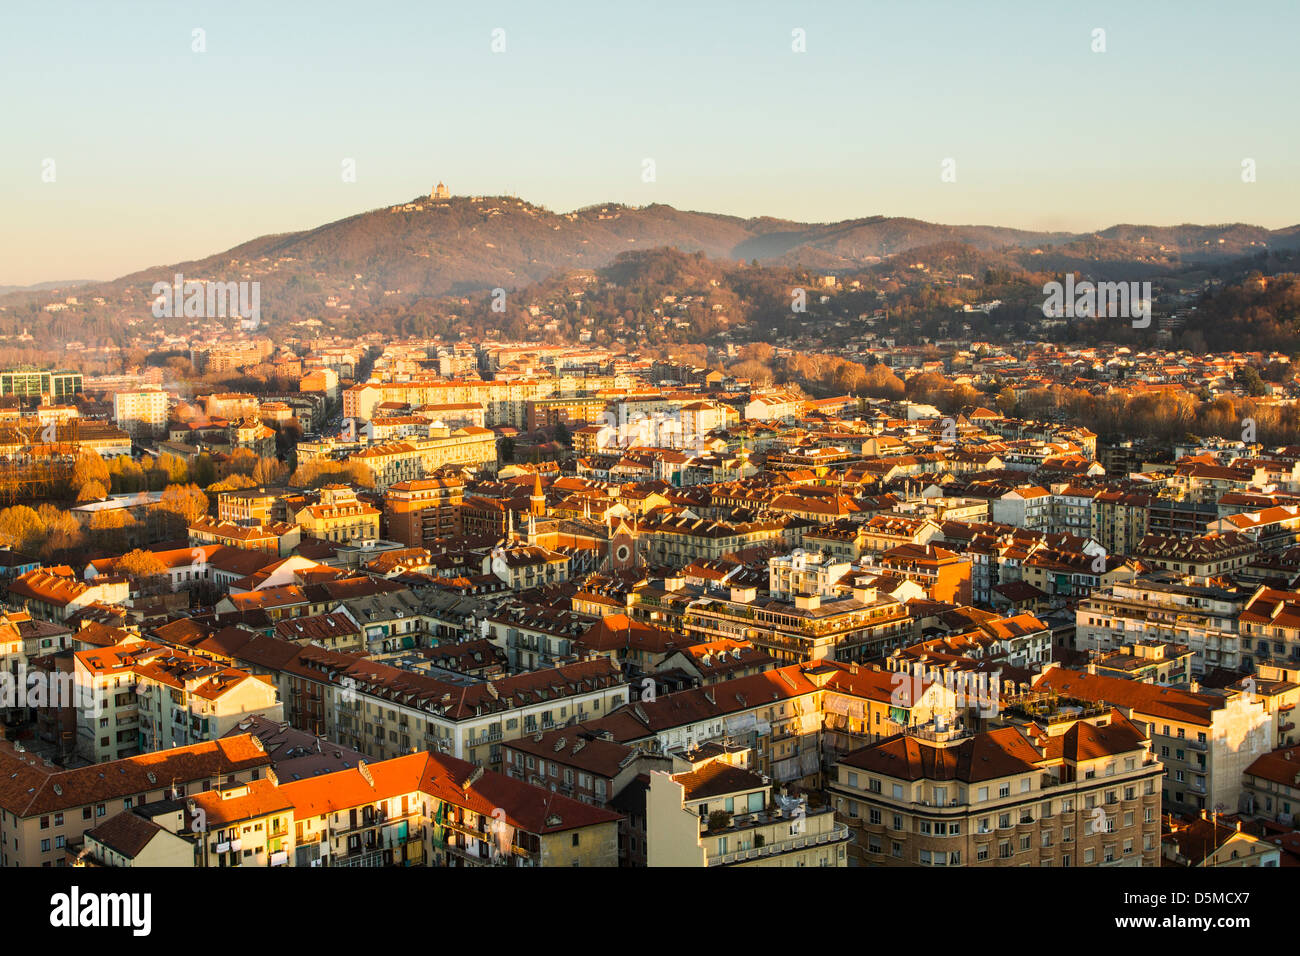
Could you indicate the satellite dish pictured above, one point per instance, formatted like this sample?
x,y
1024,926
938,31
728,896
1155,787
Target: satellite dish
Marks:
x,y
499,565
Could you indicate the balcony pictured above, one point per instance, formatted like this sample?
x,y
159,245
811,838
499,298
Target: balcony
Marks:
x,y
838,833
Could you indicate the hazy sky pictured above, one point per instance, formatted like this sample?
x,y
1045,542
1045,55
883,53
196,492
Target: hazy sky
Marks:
x,y
163,154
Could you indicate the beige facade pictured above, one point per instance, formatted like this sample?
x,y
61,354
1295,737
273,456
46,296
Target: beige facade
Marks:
x,y
1003,798
720,814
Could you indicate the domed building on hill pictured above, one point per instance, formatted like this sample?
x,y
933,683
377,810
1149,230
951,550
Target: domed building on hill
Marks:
x,y
440,192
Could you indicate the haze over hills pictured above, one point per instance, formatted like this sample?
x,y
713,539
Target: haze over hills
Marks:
x,y
426,249
47,286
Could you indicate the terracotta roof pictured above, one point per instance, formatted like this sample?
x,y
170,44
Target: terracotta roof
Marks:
x,y
28,787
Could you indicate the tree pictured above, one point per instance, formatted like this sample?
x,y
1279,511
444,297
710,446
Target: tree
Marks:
x,y
139,564
232,483
91,491
187,502
20,528
109,529
88,468
205,472
243,461
146,571
270,472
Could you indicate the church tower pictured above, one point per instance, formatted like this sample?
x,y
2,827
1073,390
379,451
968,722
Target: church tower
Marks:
x,y
537,500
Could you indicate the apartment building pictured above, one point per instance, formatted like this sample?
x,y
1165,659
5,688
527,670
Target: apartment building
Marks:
x,y
804,572
1271,787
418,511
1066,786
1206,841
434,810
1173,608
524,566
720,814
793,719
580,763
46,810
1204,556
713,662
249,824
1118,521
149,696
535,636
141,413
945,576
1028,507
339,516
53,594
382,710
1270,627
151,835
251,506
1153,662
1205,741
858,627
679,540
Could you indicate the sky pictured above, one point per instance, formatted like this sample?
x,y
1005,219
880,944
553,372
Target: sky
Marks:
x,y
123,147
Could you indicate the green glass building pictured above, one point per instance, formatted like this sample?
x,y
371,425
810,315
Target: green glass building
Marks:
x,y
37,383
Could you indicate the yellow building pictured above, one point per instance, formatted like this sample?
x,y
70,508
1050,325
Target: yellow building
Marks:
x,y
249,824
339,516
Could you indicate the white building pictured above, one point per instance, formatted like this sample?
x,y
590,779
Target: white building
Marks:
x,y
141,412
